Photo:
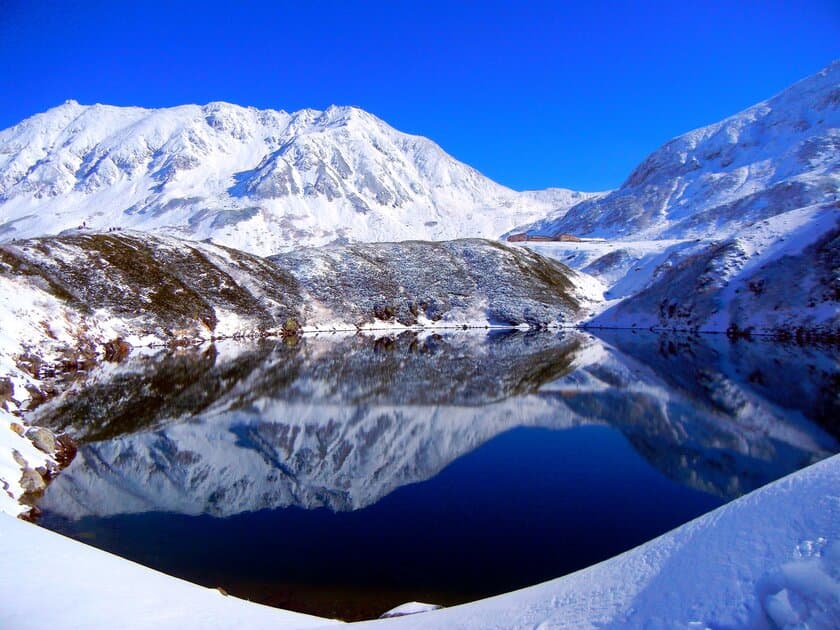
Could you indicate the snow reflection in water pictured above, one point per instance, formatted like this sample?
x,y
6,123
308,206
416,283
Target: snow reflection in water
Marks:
x,y
345,475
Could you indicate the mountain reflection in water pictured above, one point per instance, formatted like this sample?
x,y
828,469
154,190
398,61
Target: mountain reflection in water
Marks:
x,y
324,441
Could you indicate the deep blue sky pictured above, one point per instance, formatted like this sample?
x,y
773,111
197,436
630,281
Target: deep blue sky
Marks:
x,y
532,94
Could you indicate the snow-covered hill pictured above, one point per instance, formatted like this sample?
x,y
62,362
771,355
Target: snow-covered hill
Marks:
x,y
779,276
730,226
78,289
257,180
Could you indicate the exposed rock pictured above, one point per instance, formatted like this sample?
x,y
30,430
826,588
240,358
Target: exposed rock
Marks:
x,y
31,481
117,350
736,287
463,281
19,460
7,390
65,450
43,439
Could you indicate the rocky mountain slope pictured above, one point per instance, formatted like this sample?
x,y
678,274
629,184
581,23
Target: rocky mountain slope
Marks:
x,y
730,226
417,282
72,299
160,289
757,282
257,180
779,155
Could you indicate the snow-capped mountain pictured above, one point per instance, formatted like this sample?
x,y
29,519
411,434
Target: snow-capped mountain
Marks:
x,y
257,180
729,227
779,155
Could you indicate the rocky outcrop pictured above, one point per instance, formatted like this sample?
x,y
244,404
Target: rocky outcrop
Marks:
x,y
30,458
468,281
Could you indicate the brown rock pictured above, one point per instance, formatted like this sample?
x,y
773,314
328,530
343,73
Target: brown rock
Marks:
x,y
43,439
19,460
117,349
7,390
65,450
32,481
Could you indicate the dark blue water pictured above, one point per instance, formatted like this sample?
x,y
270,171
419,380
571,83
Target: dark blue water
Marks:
x,y
618,467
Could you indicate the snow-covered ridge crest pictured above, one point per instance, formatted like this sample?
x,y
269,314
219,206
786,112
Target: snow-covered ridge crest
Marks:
x,y
258,180
778,155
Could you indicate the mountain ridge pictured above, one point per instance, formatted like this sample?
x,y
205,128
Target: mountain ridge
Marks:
x,y
703,233
257,180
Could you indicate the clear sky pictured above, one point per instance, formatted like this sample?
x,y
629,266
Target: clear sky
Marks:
x,y
532,94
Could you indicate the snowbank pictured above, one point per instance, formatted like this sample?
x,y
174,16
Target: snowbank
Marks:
x,y
771,557
49,581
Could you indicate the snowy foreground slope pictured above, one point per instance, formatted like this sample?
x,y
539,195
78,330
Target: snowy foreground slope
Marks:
x,y
257,180
730,226
770,559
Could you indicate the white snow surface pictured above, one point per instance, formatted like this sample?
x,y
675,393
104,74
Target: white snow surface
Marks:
x,y
769,559
51,581
256,180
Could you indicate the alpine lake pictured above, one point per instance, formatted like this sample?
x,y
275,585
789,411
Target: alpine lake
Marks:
x,y
342,475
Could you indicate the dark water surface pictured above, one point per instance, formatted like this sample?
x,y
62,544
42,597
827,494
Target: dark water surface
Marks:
x,y
345,475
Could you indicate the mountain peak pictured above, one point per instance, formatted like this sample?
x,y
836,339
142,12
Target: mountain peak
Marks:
x,y
259,180
781,153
